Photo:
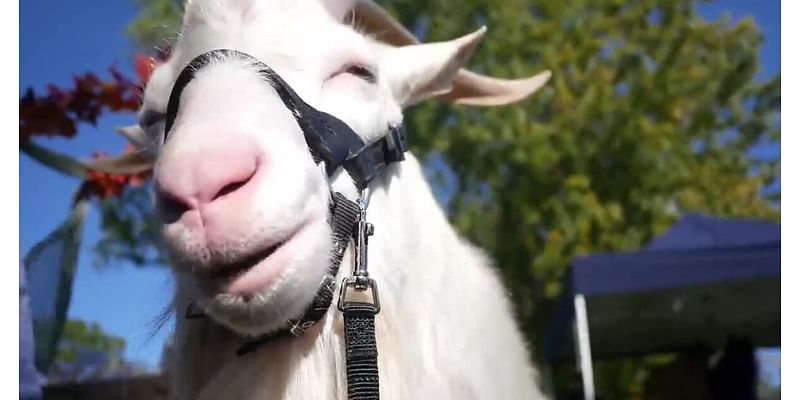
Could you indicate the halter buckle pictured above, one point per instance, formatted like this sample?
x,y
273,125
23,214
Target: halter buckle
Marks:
x,y
360,281
361,284
397,143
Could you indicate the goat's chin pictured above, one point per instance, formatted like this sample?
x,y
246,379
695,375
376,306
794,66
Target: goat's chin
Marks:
x,y
306,261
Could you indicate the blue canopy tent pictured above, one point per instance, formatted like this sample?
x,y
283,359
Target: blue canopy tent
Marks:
x,y
702,281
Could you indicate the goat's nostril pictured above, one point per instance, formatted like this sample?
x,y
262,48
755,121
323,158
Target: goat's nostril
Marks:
x,y
230,188
172,208
196,179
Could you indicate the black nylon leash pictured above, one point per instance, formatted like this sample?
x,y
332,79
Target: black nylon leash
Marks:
x,y
334,142
361,351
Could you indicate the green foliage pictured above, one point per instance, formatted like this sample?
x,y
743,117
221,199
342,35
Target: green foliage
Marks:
x,y
158,22
651,112
86,352
81,337
129,229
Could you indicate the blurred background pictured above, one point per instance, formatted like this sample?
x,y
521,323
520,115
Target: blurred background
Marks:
x,y
657,110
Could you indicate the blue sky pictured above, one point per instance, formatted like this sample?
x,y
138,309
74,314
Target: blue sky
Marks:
x,y
59,39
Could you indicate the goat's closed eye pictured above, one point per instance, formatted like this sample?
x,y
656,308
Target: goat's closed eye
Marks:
x,y
152,123
361,71
150,117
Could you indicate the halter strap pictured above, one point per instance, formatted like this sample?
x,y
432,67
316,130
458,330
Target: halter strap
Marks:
x,y
329,139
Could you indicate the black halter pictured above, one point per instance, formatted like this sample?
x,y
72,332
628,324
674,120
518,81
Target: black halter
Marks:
x,y
329,139
333,142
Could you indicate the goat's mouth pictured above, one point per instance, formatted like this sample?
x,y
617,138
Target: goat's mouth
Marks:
x,y
228,272
252,273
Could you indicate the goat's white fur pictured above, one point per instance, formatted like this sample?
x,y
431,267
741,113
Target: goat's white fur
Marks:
x,y
446,328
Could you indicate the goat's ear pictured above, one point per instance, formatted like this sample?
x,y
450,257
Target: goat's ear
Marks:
x,y
135,135
418,72
339,9
140,141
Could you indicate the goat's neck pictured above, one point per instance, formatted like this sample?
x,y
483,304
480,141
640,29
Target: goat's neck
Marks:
x,y
412,234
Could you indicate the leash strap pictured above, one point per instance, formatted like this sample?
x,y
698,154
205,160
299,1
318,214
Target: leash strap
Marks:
x,y
361,351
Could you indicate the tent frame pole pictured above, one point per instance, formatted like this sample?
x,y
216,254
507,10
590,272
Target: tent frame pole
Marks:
x,y
584,347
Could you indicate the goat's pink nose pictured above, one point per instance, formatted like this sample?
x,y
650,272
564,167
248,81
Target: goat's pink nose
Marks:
x,y
199,177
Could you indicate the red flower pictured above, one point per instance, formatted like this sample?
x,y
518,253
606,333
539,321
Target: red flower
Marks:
x,y
60,111
144,67
104,185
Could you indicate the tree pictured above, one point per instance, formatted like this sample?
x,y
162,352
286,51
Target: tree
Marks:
x,y
651,112
87,352
157,22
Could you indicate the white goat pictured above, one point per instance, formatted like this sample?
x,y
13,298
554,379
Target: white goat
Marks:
x,y
235,178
